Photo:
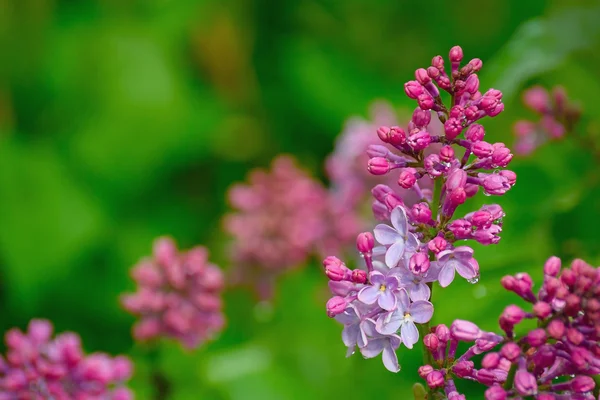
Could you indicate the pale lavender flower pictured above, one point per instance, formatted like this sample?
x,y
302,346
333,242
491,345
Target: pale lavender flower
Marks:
x,y
398,238
459,260
416,284
403,318
352,335
385,345
381,290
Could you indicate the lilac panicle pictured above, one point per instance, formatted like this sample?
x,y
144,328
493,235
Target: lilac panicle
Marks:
x,y
38,366
414,246
178,295
558,359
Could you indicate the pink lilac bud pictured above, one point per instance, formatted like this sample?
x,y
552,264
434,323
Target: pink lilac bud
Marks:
x,y
419,263
465,331
446,154
359,276
422,76
456,54
496,393
511,316
463,368
365,242
502,155
187,307
471,189
421,213
456,179
431,342
452,128
437,244
482,149
556,329
433,166
475,133
394,135
511,351
419,141
488,236
425,370
426,102
336,305
552,266
413,89
443,333
542,310
486,377
421,118
574,336
494,184
406,179
379,166
472,84
335,269
582,384
536,337
461,228
435,379
510,176
490,360
537,98
525,383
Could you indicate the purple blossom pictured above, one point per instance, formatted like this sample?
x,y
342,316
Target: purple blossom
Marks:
x,y
381,290
398,238
403,318
416,284
459,260
378,343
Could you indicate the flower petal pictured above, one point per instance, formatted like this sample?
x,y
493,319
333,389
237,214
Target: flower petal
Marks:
x,y
350,351
421,311
385,234
350,335
369,294
394,254
412,243
419,291
465,269
399,220
446,275
403,300
387,300
390,359
389,323
374,347
379,266
409,334
376,278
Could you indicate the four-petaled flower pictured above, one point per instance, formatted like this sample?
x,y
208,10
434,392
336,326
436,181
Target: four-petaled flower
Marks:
x,y
398,238
378,343
416,284
404,318
381,290
460,260
352,335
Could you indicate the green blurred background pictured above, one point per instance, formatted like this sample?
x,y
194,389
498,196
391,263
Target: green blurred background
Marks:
x,y
122,120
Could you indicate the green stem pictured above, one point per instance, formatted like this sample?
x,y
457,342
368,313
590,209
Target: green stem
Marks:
x,y
596,379
511,377
435,198
160,382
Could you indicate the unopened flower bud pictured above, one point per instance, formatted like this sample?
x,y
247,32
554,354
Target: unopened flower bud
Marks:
x,y
475,133
525,383
435,379
359,276
406,179
365,242
419,263
465,331
378,166
336,305
431,342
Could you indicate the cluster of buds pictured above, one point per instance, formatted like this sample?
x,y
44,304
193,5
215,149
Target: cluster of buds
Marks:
x,y
555,360
38,367
178,295
393,294
557,116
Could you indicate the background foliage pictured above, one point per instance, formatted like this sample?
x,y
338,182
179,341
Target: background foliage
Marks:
x,y
121,120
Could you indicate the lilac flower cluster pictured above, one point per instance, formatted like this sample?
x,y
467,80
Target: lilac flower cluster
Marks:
x,y
557,116
557,359
38,367
178,296
393,294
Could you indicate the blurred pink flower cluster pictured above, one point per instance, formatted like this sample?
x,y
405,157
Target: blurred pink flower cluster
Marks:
x,y
178,295
38,367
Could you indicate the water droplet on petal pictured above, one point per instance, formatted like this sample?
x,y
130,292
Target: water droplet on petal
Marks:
x,y
474,279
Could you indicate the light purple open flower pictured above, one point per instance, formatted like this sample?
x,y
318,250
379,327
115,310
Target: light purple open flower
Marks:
x,y
416,284
460,260
404,318
381,290
352,335
378,343
398,238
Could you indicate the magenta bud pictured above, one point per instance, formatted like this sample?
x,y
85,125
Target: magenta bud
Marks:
x,y
509,175
457,112
413,89
582,384
394,135
406,179
574,336
419,263
542,310
452,128
463,368
556,329
552,266
438,62
419,141
513,314
435,379
443,333
422,77
431,342
426,102
456,179
537,98
447,153
425,370
536,337
461,228
433,165
475,133
490,360
511,351
568,277
421,213
433,72
525,383
496,393
471,189
495,184
472,84
501,155
359,276
476,64
465,331
456,54
458,196
421,118
378,166
437,244
335,269
336,305
365,242
482,149
482,219
486,377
